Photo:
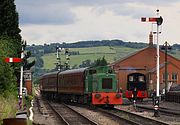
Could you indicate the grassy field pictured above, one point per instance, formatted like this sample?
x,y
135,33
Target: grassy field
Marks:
x,y
176,53
110,53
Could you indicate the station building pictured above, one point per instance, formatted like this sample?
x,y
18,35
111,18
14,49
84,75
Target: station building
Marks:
x,y
144,61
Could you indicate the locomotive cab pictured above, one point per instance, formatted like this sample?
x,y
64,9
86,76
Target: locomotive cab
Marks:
x,y
136,86
103,84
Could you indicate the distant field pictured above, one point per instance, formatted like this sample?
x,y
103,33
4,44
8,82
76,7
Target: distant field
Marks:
x,y
110,53
176,53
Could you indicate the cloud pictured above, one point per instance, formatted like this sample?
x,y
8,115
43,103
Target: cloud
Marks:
x,y
44,13
59,12
45,21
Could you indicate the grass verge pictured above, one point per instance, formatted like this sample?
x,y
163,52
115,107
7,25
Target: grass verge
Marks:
x,y
8,107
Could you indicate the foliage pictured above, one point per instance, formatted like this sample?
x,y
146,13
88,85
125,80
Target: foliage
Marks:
x,y
86,63
7,106
10,46
36,81
7,47
26,64
75,66
10,42
91,53
100,62
7,78
51,48
38,72
176,47
9,23
39,62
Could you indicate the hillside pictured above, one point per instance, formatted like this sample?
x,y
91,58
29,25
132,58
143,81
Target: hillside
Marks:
x,y
110,53
45,55
51,48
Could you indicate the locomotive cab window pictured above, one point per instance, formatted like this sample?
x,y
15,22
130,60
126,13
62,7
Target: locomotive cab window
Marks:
x,y
92,72
141,79
106,83
131,78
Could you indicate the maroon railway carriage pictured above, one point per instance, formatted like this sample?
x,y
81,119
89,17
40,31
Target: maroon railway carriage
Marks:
x,y
48,82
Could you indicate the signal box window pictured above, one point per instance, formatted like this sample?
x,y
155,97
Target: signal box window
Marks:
x,y
131,78
106,83
174,77
165,76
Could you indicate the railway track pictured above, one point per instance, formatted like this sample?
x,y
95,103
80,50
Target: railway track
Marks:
x,y
124,117
70,116
134,118
162,110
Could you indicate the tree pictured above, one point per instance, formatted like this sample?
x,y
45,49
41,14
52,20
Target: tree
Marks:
x,y
85,63
26,64
100,62
7,77
9,22
39,62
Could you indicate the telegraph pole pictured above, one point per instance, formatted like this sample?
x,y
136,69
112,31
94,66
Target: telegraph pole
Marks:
x,y
166,47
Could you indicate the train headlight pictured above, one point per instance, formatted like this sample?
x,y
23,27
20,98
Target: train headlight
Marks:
x,y
118,95
97,96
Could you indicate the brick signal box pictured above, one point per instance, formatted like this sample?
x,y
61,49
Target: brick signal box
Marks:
x,y
28,81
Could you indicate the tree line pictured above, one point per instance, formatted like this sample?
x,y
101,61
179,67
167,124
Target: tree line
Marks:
x,y
51,48
10,46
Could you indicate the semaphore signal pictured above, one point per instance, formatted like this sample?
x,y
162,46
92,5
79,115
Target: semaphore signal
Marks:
x,y
9,60
159,20
150,19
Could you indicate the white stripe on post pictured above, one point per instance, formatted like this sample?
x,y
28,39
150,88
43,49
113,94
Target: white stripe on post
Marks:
x,y
10,59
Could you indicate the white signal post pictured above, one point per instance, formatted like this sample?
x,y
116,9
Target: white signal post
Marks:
x,y
157,87
21,78
158,21
16,60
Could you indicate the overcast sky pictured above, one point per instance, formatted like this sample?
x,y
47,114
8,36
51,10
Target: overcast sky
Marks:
x,y
47,21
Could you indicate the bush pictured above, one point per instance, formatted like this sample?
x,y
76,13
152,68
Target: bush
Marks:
x,y
8,106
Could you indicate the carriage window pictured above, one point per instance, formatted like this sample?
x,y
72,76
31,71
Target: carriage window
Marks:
x,y
92,72
141,78
131,78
